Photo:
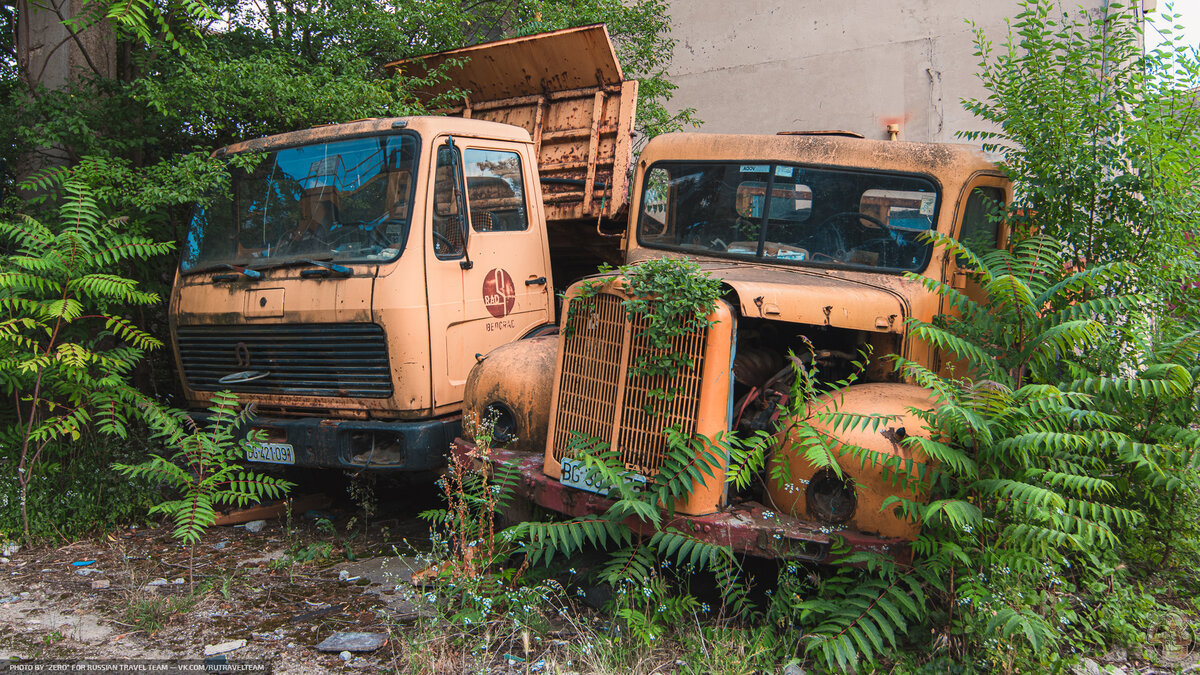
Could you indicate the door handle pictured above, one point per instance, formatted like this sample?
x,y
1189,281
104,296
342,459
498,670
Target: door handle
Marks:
x,y
540,281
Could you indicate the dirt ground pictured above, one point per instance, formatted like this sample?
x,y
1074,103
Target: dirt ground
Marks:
x,y
270,596
283,591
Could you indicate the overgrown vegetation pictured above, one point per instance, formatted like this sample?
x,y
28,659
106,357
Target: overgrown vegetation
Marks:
x,y
1060,489
1060,460
66,349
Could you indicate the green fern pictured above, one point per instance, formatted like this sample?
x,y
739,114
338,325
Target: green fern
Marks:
x,y
204,467
66,350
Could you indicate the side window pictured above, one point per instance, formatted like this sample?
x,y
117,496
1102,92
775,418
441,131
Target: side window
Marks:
x,y
495,191
655,223
449,233
982,218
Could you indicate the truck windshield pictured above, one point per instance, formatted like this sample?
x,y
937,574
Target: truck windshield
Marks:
x,y
789,213
345,201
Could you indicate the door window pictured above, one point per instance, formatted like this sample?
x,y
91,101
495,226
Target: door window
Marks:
x,y
449,231
982,218
495,191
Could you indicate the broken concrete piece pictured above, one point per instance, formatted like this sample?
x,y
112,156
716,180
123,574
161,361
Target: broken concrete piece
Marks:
x,y
255,525
383,571
316,614
352,642
158,582
403,610
101,584
223,647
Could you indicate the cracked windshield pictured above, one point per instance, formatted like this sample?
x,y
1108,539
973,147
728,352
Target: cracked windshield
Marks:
x,y
348,201
781,212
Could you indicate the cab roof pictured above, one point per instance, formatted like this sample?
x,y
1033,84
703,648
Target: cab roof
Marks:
x,y
949,163
425,125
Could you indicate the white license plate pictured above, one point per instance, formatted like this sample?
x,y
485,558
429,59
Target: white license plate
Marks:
x,y
272,453
575,474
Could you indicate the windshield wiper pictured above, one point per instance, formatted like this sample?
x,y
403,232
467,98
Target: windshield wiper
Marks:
x,y
327,268
253,274
320,262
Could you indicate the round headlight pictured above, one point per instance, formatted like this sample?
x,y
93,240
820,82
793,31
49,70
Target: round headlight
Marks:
x,y
503,421
831,499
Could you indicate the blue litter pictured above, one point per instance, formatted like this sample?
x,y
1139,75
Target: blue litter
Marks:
x,y
83,563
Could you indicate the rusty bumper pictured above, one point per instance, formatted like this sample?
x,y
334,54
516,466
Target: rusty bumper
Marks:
x,y
384,446
748,528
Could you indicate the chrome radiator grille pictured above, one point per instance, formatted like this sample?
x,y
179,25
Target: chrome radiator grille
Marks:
x,y
328,360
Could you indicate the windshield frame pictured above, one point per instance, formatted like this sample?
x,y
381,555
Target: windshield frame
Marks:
x,y
920,265
299,259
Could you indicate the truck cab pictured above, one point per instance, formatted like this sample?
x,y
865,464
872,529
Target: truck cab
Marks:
x,y
354,272
813,238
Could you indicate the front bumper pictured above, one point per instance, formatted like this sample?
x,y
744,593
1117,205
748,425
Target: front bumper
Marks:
x,y
360,444
748,528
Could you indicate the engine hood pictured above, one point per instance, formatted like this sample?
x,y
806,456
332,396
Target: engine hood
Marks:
x,y
857,301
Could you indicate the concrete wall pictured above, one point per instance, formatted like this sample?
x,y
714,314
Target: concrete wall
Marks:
x,y
763,66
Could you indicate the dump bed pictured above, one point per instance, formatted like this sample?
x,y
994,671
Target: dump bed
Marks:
x,y
566,88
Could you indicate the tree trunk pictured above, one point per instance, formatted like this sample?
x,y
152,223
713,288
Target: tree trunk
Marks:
x,y
51,55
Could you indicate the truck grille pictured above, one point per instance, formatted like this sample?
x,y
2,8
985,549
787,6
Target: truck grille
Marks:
x,y
331,359
601,398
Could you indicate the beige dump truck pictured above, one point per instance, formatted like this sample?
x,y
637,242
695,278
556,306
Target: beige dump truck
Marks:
x,y
811,237
348,277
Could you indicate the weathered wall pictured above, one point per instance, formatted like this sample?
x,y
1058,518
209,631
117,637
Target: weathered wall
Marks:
x,y
762,66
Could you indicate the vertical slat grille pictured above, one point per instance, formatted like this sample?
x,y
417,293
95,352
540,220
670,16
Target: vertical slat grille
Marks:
x,y
644,415
590,372
596,374
328,360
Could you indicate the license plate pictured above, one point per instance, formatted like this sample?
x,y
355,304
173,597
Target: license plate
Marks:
x,y
272,453
575,474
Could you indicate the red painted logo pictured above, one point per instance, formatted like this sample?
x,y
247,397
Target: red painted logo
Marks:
x,y
499,293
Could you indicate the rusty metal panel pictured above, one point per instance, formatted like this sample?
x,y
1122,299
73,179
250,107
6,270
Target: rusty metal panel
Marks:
x,y
748,528
571,58
567,90
869,487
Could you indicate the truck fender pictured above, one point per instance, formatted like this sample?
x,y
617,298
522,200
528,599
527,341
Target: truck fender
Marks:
x,y
513,383
856,501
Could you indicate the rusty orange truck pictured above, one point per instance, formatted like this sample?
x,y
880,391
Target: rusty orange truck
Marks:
x,y
348,276
811,237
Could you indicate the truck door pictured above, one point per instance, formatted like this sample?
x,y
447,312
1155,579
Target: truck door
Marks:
x,y
487,262
982,228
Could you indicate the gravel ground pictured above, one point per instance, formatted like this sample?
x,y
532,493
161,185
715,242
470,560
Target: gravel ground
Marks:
x,y
126,596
